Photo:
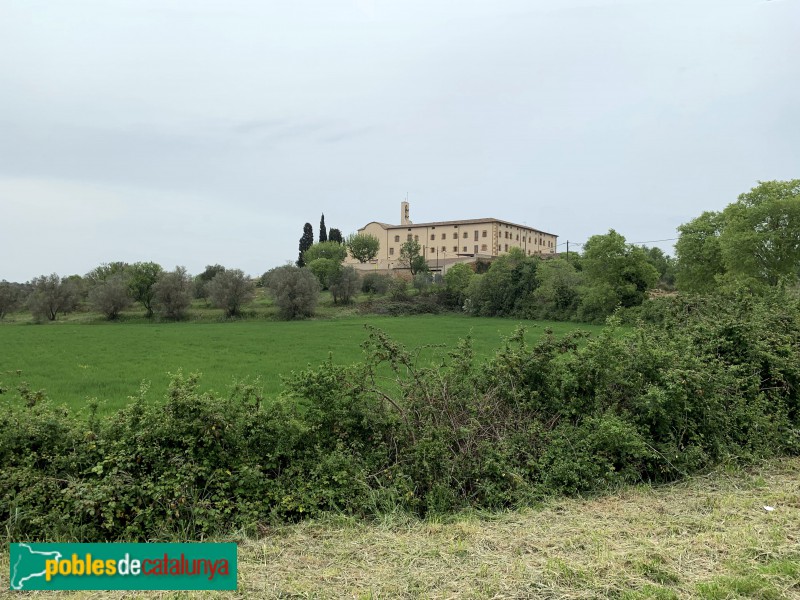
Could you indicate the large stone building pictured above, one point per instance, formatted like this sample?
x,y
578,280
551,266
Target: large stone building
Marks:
x,y
447,242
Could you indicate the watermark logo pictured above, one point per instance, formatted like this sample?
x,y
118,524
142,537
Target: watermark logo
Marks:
x,y
123,566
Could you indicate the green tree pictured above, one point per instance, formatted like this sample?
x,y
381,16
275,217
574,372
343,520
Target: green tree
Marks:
x,y
111,295
306,241
558,294
172,293
760,239
411,257
699,262
616,274
506,287
104,271
231,290
323,232
363,247
457,280
142,278
330,250
344,284
294,290
10,295
325,270
202,280
664,264
335,235
49,295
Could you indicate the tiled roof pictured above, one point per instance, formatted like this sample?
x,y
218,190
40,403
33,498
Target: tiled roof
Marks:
x,y
463,222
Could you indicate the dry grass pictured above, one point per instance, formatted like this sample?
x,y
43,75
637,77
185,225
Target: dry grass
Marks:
x,y
708,537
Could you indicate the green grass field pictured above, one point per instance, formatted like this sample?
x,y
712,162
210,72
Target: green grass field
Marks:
x,y
75,362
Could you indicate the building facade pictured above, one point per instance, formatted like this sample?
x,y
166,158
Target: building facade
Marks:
x,y
447,242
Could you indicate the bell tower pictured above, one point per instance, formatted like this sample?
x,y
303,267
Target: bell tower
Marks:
x,y
404,220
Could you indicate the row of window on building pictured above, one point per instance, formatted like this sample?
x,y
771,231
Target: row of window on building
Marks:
x,y
508,236
465,249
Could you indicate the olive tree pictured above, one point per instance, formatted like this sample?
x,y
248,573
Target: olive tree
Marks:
x,y
10,294
202,280
231,289
111,296
295,291
172,293
49,296
344,285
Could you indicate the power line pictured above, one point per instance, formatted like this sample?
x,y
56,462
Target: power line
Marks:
x,y
645,242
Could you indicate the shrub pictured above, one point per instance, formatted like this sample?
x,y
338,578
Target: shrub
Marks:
x,y
375,283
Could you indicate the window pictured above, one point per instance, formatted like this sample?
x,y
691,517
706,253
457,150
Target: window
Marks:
x,y
476,235
506,234
465,248
506,247
433,236
444,248
483,247
475,248
433,249
455,235
484,233
444,236
391,251
416,238
517,237
408,237
455,248
397,238
466,235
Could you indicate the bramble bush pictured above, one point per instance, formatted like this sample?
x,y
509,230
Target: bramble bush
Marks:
x,y
712,379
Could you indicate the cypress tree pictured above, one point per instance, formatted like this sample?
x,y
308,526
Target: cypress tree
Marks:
x,y
305,243
334,235
323,233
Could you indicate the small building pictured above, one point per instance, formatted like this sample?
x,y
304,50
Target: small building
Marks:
x,y
448,242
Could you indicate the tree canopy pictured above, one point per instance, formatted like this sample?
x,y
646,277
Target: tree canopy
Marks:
x,y
363,246
330,250
411,257
755,240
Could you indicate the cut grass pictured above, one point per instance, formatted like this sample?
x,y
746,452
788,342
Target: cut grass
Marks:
x,y
76,362
708,537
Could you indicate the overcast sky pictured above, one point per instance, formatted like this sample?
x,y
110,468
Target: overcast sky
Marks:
x,y
199,132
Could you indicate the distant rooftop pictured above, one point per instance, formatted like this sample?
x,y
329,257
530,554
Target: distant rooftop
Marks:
x,y
462,222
